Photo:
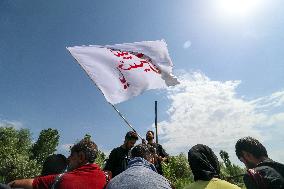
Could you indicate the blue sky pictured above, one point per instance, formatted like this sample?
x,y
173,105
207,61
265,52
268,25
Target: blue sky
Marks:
x,y
230,62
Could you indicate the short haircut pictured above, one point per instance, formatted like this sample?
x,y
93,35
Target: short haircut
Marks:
x,y
251,145
54,164
141,150
131,135
88,147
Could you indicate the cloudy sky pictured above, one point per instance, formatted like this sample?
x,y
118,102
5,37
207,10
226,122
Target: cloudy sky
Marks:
x,y
227,54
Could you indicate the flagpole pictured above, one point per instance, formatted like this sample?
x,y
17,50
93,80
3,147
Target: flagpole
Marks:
x,y
156,121
85,70
125,120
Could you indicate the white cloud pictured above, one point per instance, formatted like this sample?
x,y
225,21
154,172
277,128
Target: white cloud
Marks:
x,y
11,123
187,44
278,155
210,112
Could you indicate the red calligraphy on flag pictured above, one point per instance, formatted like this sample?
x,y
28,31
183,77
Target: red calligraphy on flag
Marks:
x,y
127,63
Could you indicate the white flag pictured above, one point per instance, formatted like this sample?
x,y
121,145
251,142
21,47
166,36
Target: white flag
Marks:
x,y
122,71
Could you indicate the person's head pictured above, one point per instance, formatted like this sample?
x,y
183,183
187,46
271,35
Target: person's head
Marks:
x,y
250,151
54,164
130,139
203,162
143,151
150,135
83,152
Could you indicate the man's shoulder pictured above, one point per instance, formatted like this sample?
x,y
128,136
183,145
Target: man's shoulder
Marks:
x,y
227,185
133,176
116,150
271,168
214,183
43,182
270,164
90,168
89,174
268,173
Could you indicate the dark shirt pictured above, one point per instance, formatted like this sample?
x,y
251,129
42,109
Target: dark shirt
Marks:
x,y
266,175
159,150
117,161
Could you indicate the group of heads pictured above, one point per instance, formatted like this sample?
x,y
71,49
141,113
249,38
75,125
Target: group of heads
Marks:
x,y
205,165
202,160
131,137
85,151
141,150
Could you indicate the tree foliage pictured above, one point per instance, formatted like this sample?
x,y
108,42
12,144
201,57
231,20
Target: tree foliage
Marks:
x,y
231,172
45,145
15,159
100,159
177,171
19,157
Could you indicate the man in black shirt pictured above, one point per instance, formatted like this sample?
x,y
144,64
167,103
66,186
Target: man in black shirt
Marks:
x,y
118,158
262,173
160,153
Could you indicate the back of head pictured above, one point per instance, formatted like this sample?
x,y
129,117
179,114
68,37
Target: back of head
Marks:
x,y
203,162
252,146
54,164
142,151
88,147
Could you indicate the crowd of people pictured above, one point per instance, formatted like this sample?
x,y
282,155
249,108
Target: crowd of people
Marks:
x,y
133,167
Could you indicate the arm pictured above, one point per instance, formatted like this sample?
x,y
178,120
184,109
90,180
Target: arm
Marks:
x,y
111,161
250,184
24,183
163,156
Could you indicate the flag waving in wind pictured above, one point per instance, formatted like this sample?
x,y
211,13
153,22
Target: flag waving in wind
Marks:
x,y
123,71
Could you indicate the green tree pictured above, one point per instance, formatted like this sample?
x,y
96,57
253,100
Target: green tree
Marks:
x,y
177,171
15,159
231,172
100,159
45,145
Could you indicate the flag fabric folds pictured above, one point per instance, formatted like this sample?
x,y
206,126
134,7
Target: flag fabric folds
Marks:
x,y
123,71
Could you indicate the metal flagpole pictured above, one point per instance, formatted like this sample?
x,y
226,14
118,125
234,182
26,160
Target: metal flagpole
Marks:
x,y
125,120
107,101
156,121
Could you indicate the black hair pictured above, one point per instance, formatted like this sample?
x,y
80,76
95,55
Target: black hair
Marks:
x,y
131,135
251,145
54,164
88,147
141,150
203,162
